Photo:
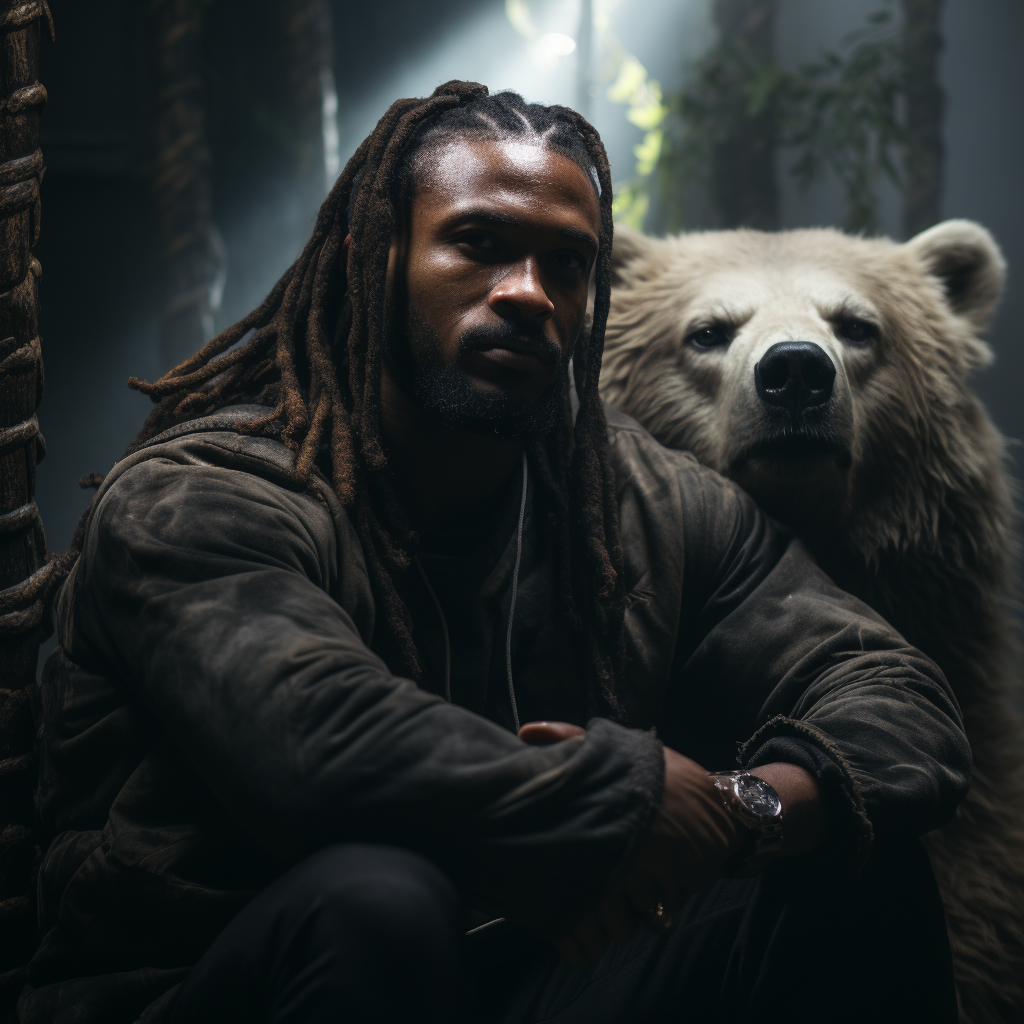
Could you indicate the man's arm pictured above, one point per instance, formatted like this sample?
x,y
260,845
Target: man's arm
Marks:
x,y
782,664
859,731
207,594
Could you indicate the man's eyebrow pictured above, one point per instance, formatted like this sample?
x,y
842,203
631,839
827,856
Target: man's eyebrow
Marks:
x,y
576,234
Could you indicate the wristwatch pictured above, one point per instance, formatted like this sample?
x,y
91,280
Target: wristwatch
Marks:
x,y
758,808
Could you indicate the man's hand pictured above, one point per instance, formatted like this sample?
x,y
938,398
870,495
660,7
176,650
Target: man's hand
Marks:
x,y
687,845
683,852
689,840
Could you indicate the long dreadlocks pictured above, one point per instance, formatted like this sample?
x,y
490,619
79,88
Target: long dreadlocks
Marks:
x,y
314,355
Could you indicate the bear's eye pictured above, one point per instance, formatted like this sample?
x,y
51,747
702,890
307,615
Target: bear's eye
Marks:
x,y
859,332
708,337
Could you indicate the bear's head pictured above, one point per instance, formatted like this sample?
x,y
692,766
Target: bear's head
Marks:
x,y
827,374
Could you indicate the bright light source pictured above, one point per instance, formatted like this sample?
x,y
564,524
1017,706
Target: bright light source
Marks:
x,y
556,44
549,48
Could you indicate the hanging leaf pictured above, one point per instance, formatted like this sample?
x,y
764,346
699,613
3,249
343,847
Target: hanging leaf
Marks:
x,y
839,113
628,86
630,204
648,151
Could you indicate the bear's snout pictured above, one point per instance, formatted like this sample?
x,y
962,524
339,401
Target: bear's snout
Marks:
x,y
794,376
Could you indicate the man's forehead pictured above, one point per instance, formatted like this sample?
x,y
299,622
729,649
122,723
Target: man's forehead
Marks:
x,y
462,170
527,157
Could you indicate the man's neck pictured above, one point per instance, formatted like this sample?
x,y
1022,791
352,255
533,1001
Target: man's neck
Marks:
x,y
444,477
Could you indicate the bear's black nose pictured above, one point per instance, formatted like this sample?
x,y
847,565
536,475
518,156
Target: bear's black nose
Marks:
x,y
795,375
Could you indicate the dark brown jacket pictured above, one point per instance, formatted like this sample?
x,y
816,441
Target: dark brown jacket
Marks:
x,y
215,710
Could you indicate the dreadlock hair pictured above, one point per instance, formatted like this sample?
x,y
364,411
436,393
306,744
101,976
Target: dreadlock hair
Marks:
x,y
314,358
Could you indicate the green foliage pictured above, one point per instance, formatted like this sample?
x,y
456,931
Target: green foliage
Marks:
x,y
642,95
839,113
631,203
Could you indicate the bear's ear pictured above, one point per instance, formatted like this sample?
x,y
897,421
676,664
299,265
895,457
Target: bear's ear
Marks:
x,y
968,263
629,245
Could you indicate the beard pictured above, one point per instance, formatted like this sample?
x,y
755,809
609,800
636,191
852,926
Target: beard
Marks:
x,y
445,390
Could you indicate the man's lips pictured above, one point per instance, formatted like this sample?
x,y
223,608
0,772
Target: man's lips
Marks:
x,y
515,353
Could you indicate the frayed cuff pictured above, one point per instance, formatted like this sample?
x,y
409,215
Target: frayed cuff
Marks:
x,y
796,742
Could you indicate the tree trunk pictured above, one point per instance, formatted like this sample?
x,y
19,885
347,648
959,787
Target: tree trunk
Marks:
x,y
584,57
189,245
23,566
744,186
308,78
925,106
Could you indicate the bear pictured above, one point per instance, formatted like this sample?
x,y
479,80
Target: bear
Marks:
x,y
828,375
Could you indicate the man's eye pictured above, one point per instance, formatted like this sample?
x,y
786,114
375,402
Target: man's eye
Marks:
x,y
708,337
477,240
566,259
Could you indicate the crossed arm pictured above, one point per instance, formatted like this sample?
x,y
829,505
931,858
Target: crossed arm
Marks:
x,y
214,595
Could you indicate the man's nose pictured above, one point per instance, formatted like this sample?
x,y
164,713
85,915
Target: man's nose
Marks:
x,y
523,289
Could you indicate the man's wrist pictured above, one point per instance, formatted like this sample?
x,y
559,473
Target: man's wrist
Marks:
x,y
757,810
805,818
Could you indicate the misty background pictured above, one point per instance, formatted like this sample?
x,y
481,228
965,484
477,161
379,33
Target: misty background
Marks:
x,y
103,289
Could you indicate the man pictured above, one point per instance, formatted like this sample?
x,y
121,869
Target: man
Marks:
x,y
362,539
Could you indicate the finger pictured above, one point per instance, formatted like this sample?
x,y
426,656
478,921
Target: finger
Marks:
x,y
669,870
618,918
642,891
549,732
671,886
659,920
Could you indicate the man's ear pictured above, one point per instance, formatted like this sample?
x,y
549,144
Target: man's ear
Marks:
x,y
966,260
629,245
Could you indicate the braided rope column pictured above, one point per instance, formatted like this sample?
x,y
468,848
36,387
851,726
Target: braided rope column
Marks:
x,y
24,569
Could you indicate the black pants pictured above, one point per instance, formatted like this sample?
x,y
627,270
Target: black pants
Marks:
x,y
372,933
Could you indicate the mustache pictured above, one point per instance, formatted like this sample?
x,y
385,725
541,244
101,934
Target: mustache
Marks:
x,y
515,335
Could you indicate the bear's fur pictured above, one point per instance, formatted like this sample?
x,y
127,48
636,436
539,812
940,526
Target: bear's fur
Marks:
x,y
895,481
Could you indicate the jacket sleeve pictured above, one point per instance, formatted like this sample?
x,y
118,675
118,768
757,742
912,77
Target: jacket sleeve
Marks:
x,y
205,592
783,664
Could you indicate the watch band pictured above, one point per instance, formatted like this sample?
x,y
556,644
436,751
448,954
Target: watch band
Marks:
x,y
757,806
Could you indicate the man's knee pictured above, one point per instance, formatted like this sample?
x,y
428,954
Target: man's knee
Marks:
x,y
376,900
381,893
335,932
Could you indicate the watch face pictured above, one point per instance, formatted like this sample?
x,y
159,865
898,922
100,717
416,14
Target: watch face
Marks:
x,y
758,796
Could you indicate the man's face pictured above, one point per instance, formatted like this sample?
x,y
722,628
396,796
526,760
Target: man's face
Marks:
x,y
501,243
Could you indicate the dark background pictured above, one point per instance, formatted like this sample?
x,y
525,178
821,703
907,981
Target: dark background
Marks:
x,y
100,286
